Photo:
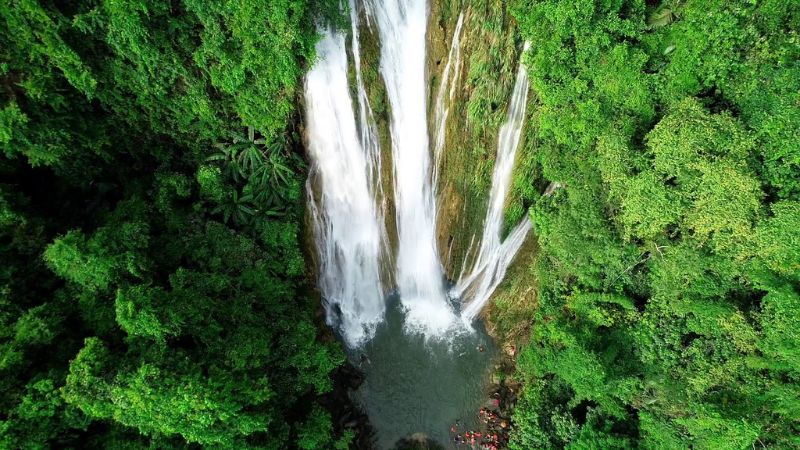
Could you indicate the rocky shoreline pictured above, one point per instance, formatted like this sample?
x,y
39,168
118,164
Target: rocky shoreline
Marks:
x,y
347,415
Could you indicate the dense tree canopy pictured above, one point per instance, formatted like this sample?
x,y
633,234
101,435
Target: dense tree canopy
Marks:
x,y
669,271
152,285
153,292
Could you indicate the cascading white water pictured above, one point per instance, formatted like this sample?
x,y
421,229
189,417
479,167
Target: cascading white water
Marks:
x,y
420,279
493,272
349,227
441,110
347,224
369,134
495,255
366,121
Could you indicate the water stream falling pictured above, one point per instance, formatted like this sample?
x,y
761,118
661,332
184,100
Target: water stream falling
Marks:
x,y
347,224
495,255
366,120
420,278
345,186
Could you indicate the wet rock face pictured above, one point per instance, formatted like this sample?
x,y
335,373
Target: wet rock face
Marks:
x,y
480,80
417,442
347,414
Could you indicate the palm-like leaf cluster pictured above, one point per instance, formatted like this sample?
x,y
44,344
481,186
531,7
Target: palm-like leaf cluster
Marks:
x,y
264,168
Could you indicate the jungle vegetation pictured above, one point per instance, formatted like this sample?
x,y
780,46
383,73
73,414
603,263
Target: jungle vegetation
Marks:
x,y
668,268
152,287
153,291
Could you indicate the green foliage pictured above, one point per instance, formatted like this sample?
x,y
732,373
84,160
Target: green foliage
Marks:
x,y
315,432
168,396
137,310
668,268
780,344
152,294
11,117
776,239
70,259
33,25
36,327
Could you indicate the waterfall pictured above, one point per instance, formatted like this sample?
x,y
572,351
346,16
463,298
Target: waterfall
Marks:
x,y
369,134
420,278
494,255
366,121
345,187
347,225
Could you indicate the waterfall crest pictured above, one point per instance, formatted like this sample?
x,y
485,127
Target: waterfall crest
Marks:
x,y
494,255
346,221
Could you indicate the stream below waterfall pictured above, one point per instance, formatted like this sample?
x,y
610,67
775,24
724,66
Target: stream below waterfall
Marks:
x,y
418,386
